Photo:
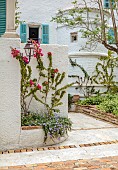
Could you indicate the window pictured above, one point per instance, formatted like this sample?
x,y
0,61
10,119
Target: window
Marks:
x,y
34,31
106,3
111,38
2,16
74,36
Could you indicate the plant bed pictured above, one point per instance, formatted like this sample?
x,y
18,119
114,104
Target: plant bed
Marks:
x,y
54,127
94,112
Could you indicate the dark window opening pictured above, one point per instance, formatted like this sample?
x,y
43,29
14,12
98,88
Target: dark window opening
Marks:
x,y
74,37
34,34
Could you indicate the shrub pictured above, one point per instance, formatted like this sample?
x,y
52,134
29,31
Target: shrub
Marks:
x,y
95,100
109,105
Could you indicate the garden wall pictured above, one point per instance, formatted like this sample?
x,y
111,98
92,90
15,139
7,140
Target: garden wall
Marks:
x,y
12,136
60,61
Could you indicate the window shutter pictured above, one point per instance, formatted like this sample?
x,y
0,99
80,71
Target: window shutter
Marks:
x,y
23,32
106,3
2,17
45,34
111,38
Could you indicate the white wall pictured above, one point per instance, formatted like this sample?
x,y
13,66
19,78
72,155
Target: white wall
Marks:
x,y
60,61
10,114
79,44
11,135
42,11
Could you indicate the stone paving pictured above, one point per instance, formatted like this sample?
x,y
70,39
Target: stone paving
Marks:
x,y
85,131
110,163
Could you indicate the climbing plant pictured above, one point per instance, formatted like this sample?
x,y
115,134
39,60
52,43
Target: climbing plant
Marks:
x,y
104,72
49,77
84,84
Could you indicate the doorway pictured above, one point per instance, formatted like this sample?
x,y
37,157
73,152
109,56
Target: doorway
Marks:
x,y
34,33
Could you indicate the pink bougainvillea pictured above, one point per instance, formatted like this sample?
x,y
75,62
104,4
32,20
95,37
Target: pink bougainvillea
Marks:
x,y
25,59
37,50
39,86
56,70
31,83
49,54
15,52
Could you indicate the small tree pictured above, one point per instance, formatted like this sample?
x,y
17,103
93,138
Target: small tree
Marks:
x,y
94,29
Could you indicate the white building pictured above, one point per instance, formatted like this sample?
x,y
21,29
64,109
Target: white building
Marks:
x,y
36,23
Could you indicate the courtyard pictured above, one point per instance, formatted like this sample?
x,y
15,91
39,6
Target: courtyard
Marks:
x,y
59,85
92,144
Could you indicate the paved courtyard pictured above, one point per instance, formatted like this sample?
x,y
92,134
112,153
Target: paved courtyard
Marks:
x,y
92,144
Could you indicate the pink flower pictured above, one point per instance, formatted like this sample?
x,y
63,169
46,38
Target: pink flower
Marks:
x,y
37,44
41,54
56,70
25,59
15,52
31,83
39,86
49,53
38,52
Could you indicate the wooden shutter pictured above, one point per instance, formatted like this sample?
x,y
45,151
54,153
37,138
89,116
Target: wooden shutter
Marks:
x,y
111,38
106,3
45,34
2,17
23,34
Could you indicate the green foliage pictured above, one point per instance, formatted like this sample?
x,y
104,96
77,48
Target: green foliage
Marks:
x,y
104,72
95,100
26,91
53,126
109,105
51,83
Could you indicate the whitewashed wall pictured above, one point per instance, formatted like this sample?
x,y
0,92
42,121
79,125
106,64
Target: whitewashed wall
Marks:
x,y
11,134
60,61
10,116
77,45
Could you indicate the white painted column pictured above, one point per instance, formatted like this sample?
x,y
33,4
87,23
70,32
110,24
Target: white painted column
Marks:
x,y
10,109
10,20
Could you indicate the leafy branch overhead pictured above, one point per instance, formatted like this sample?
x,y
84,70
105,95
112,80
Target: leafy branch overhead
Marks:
x,y
92,23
